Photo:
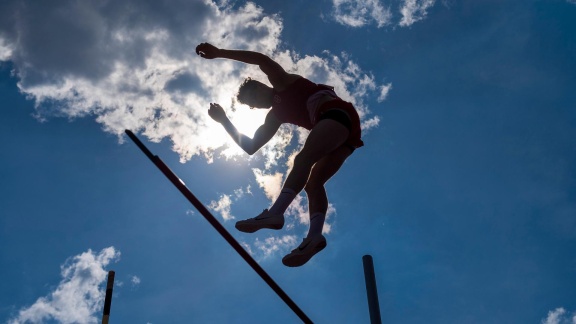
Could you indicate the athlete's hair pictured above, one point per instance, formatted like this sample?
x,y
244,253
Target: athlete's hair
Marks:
x,y
245,89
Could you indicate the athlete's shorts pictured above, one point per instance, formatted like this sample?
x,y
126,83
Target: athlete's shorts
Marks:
x,y
344,113
338,115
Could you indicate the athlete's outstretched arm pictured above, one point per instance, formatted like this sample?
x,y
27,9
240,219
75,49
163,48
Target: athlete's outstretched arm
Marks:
x,y
277,76
250,145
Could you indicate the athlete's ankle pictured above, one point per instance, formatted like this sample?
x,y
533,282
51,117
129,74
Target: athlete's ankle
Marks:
x,y
284,200
316,224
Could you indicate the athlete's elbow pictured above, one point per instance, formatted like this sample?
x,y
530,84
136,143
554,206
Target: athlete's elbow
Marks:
x,y
250,151
253,149
248,148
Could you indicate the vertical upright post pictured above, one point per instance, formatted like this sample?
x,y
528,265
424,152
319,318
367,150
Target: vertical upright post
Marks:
x,y
108,299
371,290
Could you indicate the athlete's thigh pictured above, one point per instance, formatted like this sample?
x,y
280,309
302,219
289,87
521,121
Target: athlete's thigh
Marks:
x,y
325,137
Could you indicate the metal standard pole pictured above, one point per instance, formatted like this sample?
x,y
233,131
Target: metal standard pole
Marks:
x,y
227,236
371,290
108,299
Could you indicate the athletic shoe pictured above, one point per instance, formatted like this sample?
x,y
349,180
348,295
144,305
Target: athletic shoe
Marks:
x,y
305,251
264,220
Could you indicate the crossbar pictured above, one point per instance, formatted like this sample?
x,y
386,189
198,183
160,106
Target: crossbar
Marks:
x,y
219,228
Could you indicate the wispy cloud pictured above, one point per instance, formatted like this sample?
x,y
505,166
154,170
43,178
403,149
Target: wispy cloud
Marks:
x,y
5,50
78,296
371,123
368,12
136,281
329,221
240,192
222,206
272,245
559,316
384,91
361,13
414,10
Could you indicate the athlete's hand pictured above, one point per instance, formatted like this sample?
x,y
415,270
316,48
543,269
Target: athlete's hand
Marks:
x,y
207,50
217,112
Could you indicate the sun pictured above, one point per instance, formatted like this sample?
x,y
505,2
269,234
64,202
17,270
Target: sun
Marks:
x,y
247,122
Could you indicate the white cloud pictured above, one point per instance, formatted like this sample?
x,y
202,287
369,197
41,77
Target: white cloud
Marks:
x,y
571,1
5,50
135,280
361,13
136,74
275,150
329,214
554,316
365,12
78,297
414,10
272,245
142,74
559,316
384,91
247,247
370,123
240,192
299,210
222,206
270,183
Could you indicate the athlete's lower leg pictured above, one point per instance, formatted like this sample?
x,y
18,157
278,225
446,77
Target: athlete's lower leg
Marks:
x,y
317,206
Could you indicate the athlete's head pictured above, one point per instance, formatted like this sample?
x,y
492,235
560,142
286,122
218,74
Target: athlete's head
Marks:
x,y
255,94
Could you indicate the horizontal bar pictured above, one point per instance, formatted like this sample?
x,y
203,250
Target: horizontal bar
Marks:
x,y
219,228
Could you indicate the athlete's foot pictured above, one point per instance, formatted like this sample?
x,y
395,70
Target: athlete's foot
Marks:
x,y
264,220
305,251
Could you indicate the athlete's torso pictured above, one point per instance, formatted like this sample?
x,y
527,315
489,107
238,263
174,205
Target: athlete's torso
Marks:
x,y
289,105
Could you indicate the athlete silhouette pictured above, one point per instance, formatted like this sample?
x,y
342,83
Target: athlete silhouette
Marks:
x,y
334,135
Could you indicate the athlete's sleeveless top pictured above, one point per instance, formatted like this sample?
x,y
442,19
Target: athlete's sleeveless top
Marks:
x,y
289,106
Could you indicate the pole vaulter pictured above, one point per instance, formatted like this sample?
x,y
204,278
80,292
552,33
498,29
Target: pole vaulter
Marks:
x,y
212,220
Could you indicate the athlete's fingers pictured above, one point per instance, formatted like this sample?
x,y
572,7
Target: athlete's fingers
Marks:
x,y
199,49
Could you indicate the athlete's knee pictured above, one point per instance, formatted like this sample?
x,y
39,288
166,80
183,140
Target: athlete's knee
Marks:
x,y
313,187
304,158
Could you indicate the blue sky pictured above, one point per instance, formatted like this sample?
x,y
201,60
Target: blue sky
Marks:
x,y
465,193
